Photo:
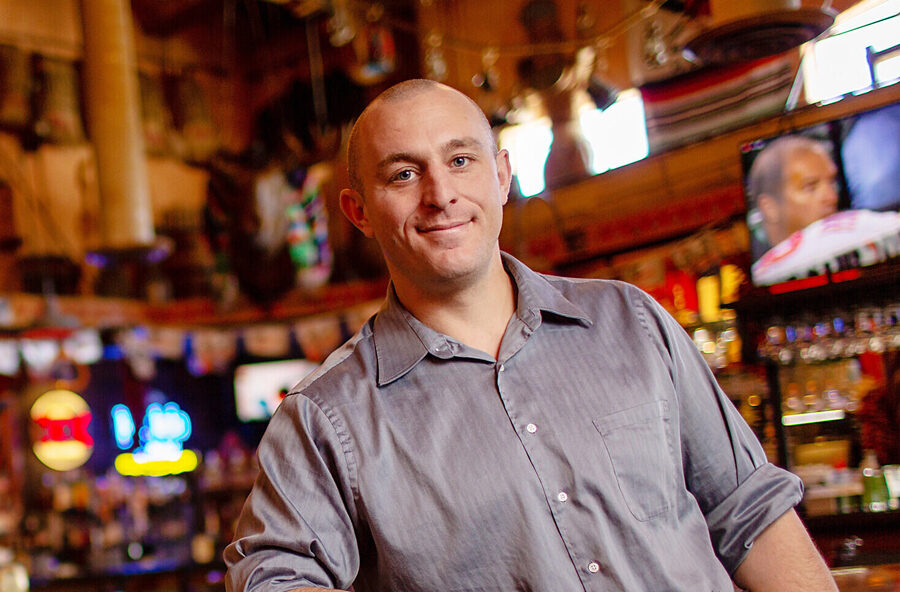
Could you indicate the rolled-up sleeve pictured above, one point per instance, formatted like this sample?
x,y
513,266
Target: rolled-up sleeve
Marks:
x,y
296,527
725,468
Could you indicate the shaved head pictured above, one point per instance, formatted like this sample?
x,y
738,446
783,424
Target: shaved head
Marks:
x,y
399,92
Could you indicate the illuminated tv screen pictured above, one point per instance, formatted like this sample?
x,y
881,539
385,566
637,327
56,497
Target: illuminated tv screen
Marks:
x,y
259,387
824,199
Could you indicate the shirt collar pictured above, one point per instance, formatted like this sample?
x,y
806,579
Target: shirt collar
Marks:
x,y
536,294
402,341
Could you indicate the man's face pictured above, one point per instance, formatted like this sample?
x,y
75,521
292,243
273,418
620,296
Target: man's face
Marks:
x,y
434,189
809,192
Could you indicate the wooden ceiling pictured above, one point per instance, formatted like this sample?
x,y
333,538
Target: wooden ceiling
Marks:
x,y
255,33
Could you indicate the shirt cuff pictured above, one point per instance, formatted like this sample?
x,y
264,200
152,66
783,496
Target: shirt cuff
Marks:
x,y
761,499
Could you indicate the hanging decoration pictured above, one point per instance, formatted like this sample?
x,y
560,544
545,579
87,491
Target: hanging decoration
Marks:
x,y
247,227
57,108
211,351
199,134
307,234
15,83
318,336
267,341
39,354
167,342
83,346
341,25
10,362
66,357
374,48
436,40
355,317
156,117
135,345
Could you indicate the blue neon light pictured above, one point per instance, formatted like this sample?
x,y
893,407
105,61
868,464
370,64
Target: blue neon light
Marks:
x,y
123,426
165,423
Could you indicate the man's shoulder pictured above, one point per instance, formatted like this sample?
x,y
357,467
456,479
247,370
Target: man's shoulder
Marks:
x,y
347,369
594,289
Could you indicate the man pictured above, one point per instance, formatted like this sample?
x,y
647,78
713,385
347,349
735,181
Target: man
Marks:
x,y
793,183
496,429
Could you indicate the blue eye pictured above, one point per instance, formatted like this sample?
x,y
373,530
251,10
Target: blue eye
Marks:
x,y
460,161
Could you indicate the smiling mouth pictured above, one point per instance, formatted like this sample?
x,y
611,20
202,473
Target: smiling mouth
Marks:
x,y
442,227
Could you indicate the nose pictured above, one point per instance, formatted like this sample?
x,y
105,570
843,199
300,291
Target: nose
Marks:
x,y
830,196
437,189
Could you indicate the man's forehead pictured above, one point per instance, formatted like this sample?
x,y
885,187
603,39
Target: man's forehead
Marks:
x,y
805,161
398,122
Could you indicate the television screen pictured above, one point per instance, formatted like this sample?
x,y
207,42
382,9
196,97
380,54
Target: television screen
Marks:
x,y
259,387
824,199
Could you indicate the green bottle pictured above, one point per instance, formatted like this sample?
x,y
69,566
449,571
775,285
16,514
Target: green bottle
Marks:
x,y
875,492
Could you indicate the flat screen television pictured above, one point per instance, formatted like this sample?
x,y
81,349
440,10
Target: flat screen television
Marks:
x,y
823,200
259,387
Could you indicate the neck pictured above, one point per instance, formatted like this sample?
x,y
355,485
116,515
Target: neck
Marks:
x,y
475,314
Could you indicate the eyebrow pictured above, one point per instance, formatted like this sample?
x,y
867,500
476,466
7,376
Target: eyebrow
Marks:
x,y
464,142
454,144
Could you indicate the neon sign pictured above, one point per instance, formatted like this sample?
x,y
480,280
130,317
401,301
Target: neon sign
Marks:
x,y
163,432
63,418
123,426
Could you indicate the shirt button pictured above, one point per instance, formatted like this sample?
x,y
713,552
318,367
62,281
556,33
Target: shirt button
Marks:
x,y
501,368
562,496
593,567
531,428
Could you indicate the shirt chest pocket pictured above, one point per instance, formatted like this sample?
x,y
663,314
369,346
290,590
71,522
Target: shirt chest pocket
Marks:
x,y
637,441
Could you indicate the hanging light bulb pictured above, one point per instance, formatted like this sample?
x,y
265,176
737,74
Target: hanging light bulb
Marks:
x,y
435,64
656,52
341,27
487,79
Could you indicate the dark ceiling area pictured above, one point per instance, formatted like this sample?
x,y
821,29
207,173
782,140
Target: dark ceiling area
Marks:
x,y
253,21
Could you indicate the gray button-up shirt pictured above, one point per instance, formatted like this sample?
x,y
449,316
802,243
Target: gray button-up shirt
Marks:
x,y
597,453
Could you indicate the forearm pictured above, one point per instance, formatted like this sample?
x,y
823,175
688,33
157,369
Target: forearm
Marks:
x,y
783,557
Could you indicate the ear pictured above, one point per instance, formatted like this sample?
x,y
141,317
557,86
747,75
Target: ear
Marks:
x,y
768,207
504,174
355,209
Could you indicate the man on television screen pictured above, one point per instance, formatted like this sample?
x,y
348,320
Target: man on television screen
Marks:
x,y
793,183
793,186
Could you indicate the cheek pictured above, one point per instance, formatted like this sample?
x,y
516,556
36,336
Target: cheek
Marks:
x,y
391,221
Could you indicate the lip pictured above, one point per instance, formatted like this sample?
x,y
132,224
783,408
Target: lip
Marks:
x,y
442,227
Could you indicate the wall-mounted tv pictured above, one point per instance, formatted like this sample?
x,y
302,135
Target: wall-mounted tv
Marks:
x,y
824,199
259,387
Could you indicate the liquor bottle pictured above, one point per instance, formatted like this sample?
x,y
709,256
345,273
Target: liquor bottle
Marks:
x,y
13,576
875,491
